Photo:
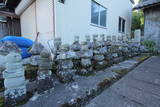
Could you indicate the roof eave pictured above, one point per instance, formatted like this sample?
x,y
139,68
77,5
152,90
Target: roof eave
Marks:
x,y
146,6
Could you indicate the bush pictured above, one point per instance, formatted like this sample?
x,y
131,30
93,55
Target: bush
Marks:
x,y
151,45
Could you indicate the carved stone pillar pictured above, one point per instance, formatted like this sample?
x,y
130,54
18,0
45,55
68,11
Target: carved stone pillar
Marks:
x,y
14,79
44,80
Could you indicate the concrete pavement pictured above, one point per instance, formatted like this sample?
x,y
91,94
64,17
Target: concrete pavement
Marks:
x,y
139,88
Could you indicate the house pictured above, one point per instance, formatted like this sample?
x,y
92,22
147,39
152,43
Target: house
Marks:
x,y
9,22
67,18
151,10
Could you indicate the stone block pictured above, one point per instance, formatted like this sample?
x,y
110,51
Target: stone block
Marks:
x,y
14,82
99,57
86,62
44,84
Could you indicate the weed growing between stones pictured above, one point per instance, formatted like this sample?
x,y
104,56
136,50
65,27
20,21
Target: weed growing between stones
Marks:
x,y
1,101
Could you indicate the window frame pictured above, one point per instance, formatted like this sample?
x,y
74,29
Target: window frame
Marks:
x,y
99,15
121,25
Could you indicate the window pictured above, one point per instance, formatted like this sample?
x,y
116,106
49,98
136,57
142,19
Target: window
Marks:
x,y
61,1
98,14
121,25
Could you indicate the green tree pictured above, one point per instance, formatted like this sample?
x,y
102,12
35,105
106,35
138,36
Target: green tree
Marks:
x,y
138,20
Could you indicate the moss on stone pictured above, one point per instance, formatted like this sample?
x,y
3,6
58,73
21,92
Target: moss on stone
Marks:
x,y
31,72
2,89
31,68
121,72
1,101
54,68
106,82
143,58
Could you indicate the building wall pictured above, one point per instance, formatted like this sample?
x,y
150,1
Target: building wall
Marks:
x,y
74,18
28,23
38,18
44,10
152,24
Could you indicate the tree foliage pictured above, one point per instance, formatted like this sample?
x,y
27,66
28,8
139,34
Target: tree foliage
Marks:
x,y
138,20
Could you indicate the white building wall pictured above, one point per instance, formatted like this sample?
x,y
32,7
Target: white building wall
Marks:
x,y
38,18
74,18
44,10
28,23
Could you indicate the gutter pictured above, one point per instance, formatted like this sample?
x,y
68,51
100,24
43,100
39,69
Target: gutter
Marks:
x,y
23,5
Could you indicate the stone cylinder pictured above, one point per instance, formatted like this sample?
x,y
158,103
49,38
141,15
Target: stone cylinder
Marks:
x,y
44,80
14,79
86,56
65,70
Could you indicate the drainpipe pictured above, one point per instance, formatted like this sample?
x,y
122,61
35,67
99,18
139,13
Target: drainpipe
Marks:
x,y
54,19
23,5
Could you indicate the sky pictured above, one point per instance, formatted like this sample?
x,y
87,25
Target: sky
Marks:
x,y
136,1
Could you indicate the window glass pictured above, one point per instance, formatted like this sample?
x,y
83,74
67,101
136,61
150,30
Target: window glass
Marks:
x,y
102,16
95,13
121,25
98,14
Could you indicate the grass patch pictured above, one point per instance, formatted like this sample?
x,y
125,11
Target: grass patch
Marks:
x,y
121,72
105,83
1,101
143,58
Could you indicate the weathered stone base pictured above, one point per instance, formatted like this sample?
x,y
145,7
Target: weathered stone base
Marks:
x,y
14,96
44,84
117,60
100,65
85,71
66,76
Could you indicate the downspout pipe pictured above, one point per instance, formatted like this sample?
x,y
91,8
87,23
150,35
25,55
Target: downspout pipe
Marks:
x,y
23,5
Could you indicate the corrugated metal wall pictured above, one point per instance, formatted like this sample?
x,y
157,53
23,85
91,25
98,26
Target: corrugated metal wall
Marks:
x,y
11,27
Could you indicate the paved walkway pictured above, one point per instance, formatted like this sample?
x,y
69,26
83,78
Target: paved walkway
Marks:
x,y
139,88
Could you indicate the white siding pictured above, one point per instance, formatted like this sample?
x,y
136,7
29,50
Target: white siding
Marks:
x,y
40,12
28,23
45,20
74,18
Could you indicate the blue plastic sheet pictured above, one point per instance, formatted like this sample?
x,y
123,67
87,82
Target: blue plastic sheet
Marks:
x,y
20,41
25,53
